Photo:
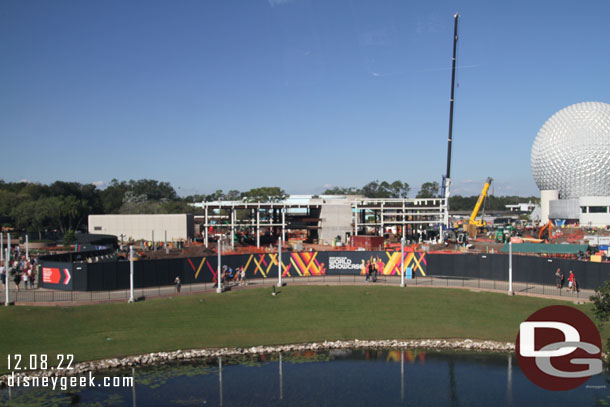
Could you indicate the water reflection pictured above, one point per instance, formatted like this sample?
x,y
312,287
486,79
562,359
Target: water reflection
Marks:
x,y
133,387
281,378
337,378
402,375
220,379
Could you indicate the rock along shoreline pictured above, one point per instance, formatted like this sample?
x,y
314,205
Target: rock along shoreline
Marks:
x,y
148,359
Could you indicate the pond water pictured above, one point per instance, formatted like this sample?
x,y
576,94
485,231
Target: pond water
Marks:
x,y
330,378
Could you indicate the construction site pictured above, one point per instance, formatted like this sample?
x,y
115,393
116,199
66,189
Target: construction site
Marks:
x,y
574,209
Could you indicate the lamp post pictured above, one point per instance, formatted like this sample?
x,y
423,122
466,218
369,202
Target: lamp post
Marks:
x,y
218,275
402,262
6,276
131,294
279,262
510,268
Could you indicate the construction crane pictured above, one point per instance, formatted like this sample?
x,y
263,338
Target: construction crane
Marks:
x,y
473,222
473,216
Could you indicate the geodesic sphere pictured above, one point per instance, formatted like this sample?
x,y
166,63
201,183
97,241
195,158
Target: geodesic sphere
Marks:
x,y
571,152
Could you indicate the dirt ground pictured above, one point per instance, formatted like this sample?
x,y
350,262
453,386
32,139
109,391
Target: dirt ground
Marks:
x,y
191,251
482,244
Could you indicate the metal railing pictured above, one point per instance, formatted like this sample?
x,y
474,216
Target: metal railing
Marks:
x,y
51,296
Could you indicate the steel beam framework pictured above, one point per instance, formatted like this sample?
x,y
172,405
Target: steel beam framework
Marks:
x,y
258,215
379,213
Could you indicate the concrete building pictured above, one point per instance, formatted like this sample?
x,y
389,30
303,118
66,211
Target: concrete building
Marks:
x,y
144,227
335,220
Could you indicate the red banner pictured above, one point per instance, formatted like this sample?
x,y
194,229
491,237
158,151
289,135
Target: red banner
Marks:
x,y
51,275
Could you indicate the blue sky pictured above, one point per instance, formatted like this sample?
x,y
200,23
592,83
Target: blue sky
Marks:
x,y
301,94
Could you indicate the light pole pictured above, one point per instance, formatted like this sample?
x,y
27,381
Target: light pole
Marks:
x,y
131,294
402,262
510,268
279,262
8,252
218,275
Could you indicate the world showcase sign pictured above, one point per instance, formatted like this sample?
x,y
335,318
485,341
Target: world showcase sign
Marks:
x,y
342,263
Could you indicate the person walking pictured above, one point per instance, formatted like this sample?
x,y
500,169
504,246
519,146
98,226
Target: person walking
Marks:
x,y
17,278
571,282
178,284
558,278
25,278
242,276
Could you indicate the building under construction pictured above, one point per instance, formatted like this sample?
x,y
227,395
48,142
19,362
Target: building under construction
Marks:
x,y
325,220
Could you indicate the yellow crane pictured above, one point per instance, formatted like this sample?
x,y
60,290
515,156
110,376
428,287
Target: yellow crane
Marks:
x,y
473,216
473,222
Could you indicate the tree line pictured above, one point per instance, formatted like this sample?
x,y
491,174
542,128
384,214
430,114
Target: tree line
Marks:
x,y
398,189
65,206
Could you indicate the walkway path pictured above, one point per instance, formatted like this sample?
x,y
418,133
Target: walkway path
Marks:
x,y
41,296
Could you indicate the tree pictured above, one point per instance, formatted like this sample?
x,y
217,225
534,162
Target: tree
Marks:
x,y
177,207
32,216
154,190
399,189
601,305
428,190
265,194
233,195
376,189
342,191
141,207
8,201
112,196
194,198
215,196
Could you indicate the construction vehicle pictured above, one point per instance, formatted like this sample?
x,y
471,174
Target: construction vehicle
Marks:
x,y
546,231
504,233
455,236
477,225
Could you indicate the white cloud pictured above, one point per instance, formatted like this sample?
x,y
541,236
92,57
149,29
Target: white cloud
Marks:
x,y
25,180
99,184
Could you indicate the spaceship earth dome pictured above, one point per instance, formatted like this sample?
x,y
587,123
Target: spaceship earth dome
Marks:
x,y
571,152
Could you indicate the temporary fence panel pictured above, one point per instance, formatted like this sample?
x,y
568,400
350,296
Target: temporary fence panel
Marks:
x,y
114,275
57,275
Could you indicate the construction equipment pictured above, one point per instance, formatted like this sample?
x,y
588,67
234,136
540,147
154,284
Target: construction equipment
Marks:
x,y
504,233
474,224
546,231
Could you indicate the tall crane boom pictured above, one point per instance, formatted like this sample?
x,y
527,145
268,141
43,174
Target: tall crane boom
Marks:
x,y
473,217
446,182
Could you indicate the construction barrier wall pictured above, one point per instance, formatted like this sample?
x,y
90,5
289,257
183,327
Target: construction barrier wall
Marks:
x,y
105,276
114,275
526,269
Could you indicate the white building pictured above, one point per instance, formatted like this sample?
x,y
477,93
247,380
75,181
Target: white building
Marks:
x,y
570,162
144,227
521,207
586,211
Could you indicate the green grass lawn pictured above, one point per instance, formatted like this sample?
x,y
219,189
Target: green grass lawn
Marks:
x,y
254,317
